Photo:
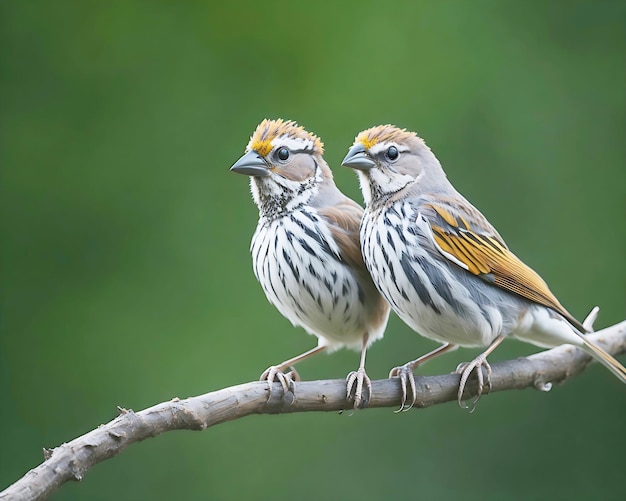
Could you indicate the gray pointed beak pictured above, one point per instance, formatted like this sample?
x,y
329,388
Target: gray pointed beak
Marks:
x,y
251,164
358,158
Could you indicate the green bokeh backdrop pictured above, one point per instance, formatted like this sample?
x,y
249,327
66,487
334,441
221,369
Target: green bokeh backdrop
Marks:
x,y
126,276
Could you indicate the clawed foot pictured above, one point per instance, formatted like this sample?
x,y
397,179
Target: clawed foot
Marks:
x,y
405,373
355,381
465,370
275,374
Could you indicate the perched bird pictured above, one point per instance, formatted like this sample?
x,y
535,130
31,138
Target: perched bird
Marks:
x,y
443,268
305,250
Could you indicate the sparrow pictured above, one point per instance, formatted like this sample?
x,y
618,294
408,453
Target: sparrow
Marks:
x,y
305,250
443,267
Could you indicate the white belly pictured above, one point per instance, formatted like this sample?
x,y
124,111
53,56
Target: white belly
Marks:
x,y
302,277
426,291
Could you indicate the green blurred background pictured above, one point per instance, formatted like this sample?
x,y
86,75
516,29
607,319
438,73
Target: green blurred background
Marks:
x,y
126,275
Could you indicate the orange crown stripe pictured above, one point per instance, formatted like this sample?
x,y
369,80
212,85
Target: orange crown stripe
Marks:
x,y
383,133
268,130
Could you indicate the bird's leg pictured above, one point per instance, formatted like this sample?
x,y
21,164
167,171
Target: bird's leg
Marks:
x,y
277,372
356,379
405,373
465,370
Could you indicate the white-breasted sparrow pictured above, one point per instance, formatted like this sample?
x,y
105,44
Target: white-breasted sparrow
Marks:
x,y
443,268
305,250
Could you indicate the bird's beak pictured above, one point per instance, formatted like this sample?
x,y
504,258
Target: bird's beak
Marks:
x,y
358,158
251,164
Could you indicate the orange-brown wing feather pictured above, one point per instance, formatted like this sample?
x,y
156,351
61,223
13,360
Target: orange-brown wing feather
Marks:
x,y
486,256
344,220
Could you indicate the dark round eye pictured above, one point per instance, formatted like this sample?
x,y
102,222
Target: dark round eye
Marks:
x,y
283,153
392,153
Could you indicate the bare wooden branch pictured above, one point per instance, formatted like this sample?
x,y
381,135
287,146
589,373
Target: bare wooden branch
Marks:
x,y
70,461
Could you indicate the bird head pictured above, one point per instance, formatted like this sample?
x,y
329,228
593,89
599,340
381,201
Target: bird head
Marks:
x,y
285,166
389,160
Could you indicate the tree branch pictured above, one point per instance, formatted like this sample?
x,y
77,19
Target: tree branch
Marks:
x,y
71,460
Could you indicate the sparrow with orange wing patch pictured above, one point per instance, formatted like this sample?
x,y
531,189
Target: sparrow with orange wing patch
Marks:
x,y
443,268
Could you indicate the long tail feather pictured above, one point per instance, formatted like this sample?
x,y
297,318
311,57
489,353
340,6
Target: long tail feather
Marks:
x,y
605,359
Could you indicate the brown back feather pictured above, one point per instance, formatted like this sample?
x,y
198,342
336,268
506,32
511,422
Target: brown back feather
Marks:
x,y
345,219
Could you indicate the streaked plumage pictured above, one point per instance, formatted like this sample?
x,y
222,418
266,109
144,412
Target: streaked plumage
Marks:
x,y
305,249
443,268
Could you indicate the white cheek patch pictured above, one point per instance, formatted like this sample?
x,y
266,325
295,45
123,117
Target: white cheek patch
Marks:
x,y
293,143
389,182
383,146
254,189
366,188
